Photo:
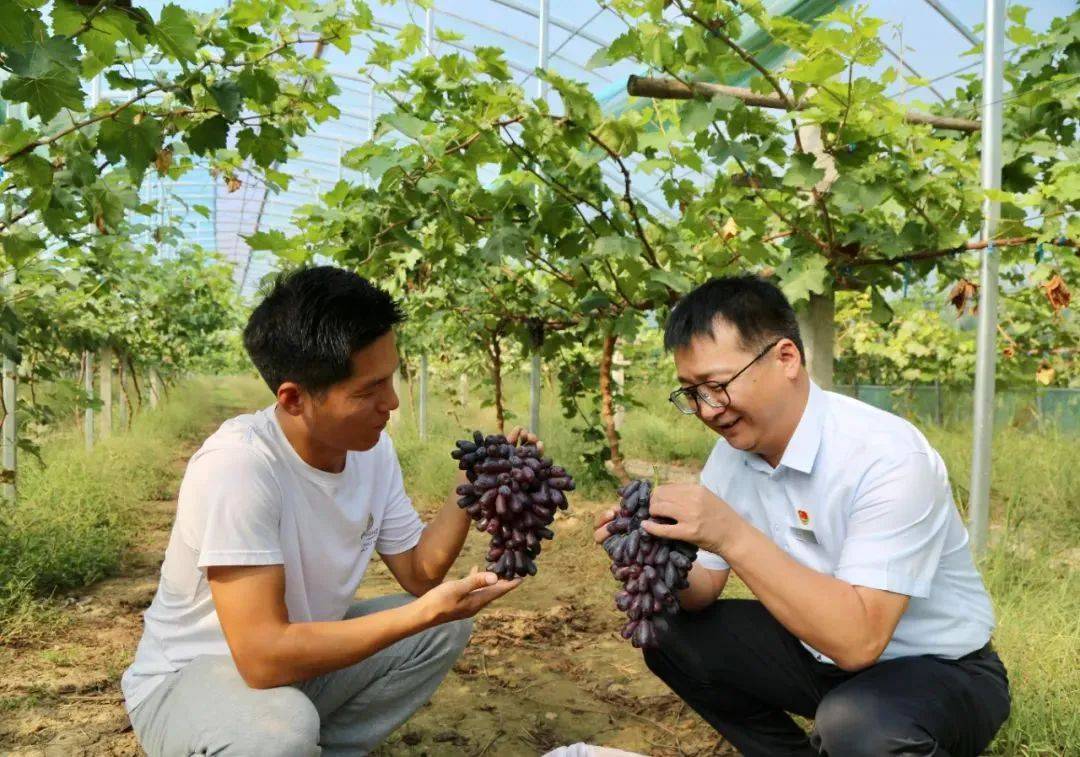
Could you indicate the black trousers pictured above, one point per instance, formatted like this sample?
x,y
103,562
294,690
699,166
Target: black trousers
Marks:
x,y
743,672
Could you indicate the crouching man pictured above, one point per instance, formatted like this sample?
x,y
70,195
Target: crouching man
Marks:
x,y
254,644
870,617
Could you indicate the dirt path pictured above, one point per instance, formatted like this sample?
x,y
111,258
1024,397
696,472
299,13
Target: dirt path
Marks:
x,y
545,668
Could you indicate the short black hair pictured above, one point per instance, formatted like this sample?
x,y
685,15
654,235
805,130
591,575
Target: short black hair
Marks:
x,y
757,309
312,321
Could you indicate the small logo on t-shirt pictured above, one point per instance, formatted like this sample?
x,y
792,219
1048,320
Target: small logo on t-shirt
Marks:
x,y
804,517
371,534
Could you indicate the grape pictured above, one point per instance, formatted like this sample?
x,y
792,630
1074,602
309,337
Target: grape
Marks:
x,y
512,494
651,569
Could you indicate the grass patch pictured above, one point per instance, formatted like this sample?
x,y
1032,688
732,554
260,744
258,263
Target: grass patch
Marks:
x,y
77,514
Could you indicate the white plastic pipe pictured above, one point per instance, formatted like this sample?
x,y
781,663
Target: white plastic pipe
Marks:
x,y
105,379
986,347
88,387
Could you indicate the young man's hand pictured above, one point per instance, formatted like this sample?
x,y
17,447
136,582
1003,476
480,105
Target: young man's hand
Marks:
x,y
465,597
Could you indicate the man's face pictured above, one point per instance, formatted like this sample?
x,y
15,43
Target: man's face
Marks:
x,y
352,413
757,395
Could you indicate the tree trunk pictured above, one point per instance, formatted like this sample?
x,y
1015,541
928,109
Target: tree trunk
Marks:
x,y
817,326
496,379
607,407
124,396
135,383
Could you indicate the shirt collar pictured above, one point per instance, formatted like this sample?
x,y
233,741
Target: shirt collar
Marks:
x,y
803,447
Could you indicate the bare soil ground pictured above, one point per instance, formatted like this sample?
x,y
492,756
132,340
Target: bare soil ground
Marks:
x,y
545,666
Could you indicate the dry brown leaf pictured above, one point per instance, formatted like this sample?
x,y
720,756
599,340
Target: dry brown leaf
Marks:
x,y
232,183
1045,374
1057,293
99,221
1008,351
163,161
963,291
731,229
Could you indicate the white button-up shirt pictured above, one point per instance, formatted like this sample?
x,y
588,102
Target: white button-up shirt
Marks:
x,y
860,494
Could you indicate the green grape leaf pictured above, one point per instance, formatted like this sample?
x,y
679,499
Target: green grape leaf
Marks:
x,y
207,136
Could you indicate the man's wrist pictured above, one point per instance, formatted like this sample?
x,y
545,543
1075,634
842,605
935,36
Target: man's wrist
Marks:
x,y
737,537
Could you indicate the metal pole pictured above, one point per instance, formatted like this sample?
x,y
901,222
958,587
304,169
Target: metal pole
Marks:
x,y
939,405
543,35
422,421
429,30
340,160
542,46
11,428
88,387
534,392
371,113
993,56
956,23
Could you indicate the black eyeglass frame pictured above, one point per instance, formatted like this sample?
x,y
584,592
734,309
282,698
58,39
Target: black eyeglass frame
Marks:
x,y
691,392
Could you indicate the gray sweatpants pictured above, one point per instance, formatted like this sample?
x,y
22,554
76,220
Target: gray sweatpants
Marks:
x,y
205,708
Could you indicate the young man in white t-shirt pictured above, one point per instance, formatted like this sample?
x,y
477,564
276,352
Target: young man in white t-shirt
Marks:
x,y
870,617
253,644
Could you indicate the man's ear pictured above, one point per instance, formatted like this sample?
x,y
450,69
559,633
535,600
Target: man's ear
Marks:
x,y
788,354
291,398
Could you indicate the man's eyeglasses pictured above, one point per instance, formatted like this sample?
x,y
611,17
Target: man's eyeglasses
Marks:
x,y
712,393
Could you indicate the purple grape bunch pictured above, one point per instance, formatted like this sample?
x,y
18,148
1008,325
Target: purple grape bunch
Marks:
x,y
512,494
651,568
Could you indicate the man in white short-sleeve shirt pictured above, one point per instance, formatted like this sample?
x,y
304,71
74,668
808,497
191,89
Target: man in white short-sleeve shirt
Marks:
x,y
254,644
870,616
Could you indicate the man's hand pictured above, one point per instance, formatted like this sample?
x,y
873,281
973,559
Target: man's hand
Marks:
x,y
521,436
465,597
601,523
700,517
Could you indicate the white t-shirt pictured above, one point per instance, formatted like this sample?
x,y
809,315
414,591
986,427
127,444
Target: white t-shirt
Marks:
x,y
247,498
860,494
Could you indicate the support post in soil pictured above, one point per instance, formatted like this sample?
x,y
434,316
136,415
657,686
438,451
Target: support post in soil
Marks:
x,y
125,413
939,403
421,423
463,390
817,325
106,377
536,344
11,424
986,348
88,387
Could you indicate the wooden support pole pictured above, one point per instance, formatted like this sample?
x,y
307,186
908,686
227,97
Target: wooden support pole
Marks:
x,y
673,89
